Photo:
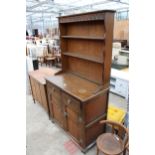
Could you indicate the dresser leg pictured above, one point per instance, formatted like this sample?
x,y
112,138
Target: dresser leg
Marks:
x,y
34,101
51,120
49,116
84,151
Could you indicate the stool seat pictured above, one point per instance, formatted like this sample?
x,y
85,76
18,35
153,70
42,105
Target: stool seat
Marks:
x,y
110,144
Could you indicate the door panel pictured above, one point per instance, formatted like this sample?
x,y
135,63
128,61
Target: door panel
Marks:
x,y
43,97
38,94
33,88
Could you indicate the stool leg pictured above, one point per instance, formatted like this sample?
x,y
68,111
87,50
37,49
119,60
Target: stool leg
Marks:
x,y
97,151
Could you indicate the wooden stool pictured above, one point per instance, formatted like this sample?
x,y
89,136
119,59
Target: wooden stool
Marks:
x,y
112,143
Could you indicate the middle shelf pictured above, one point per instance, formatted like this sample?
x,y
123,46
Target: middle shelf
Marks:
x,y
81,56
83,37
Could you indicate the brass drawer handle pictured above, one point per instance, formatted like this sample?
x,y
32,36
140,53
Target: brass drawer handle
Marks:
x,y
68,101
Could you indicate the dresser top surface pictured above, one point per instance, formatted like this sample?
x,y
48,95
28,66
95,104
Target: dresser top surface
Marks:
x,y
74,85
40,74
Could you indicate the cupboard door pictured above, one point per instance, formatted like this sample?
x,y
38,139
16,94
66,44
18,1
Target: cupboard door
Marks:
x,y
49,94
75,124
56,106
43,97
38,94
57,112
73,128
32,82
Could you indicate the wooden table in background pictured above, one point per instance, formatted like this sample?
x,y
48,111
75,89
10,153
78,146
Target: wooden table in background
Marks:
x,y
50,60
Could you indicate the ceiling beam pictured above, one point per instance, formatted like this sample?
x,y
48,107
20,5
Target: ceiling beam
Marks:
x,y
37,5
41,11
47,2
93,4
119,1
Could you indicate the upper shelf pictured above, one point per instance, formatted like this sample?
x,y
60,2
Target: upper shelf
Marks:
x,y
81,56
83,37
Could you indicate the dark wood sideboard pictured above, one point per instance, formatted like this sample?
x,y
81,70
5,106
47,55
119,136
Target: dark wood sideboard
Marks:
x,y
78,95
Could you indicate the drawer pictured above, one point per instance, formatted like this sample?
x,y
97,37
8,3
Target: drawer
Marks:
x,y
71,103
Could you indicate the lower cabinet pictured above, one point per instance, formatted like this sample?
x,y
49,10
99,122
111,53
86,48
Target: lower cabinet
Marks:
x,y
79,119
39,93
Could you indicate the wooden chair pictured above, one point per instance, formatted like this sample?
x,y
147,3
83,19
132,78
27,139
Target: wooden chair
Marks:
x,y
114,142
50,59
127,150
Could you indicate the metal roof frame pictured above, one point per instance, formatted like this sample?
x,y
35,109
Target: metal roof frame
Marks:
x,y
43,9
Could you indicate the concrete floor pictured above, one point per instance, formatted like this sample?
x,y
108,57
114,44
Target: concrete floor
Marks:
x,y
46,138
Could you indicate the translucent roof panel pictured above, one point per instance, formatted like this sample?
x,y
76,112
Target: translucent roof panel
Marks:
x,y
48,10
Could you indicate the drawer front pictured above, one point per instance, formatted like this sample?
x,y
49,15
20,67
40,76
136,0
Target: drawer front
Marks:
x,y
71,103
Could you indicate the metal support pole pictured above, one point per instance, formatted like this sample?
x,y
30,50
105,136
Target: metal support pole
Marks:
x,y
31,25
43,23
